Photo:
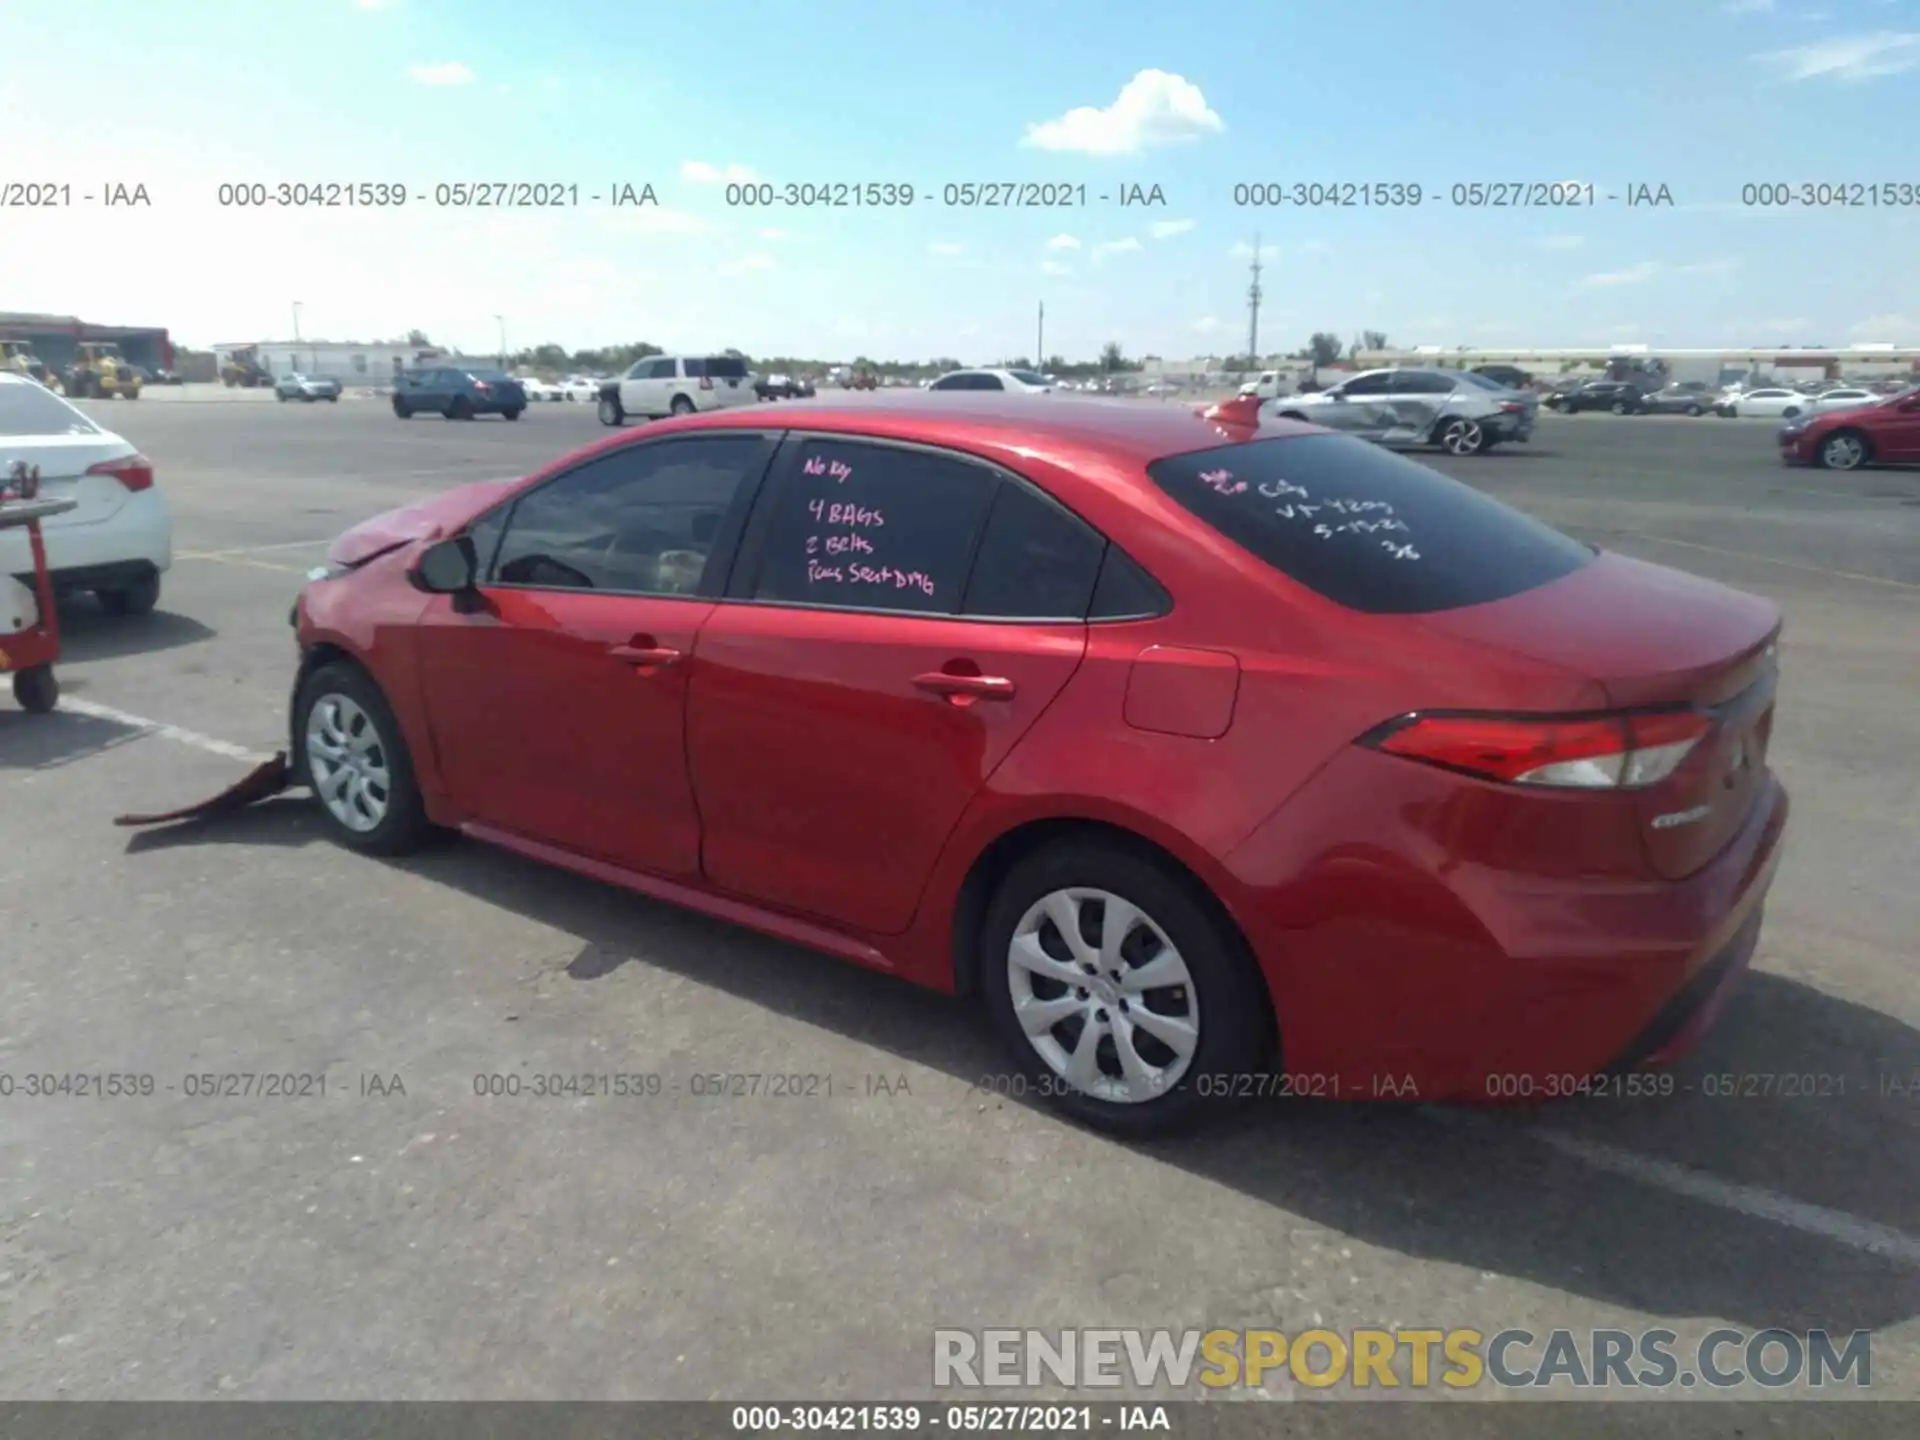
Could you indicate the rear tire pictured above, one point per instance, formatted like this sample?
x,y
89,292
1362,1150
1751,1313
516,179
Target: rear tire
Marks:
x,y
510,414
36,689
354,758
1619,407
459,409
1461,436
1790,412
681,405
1216,997
333,399
281,396
129,601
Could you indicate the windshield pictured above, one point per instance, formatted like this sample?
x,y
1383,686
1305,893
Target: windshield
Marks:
x,y
1366,528
490,376
28,410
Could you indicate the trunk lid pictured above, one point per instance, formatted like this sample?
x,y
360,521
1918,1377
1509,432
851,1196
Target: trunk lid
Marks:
x,y
428,519
1651,637
63,462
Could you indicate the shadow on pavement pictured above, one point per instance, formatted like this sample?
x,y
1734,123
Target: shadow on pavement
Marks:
x,y
1796,1093
87,632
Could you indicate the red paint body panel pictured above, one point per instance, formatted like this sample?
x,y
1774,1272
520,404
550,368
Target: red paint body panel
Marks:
x,y
806,772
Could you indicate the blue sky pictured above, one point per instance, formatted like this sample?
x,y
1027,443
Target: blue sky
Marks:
x,y
1700,96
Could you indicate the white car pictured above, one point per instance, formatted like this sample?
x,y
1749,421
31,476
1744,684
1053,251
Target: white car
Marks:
x,y
1018,382
580,387
118,542
1269,386
1772,401
538,389
664,385
1844,397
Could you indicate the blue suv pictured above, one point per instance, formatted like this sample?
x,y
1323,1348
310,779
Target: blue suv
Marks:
x,y
457,394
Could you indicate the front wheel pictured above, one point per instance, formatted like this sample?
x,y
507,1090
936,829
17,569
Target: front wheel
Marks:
x,y
1790,412
1843,450
459,409
401,409
355,761
1619,407
1694,410
35,689
610,411
510,414
333,399
281,396
1116,991
1461,436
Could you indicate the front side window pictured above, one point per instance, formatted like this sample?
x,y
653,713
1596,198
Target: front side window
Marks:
x,y
640,520
873,527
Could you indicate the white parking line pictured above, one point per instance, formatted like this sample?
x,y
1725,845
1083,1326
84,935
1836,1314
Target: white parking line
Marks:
x,y
1837,1226
226,749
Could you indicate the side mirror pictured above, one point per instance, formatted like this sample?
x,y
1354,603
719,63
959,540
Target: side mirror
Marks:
x,y
450,567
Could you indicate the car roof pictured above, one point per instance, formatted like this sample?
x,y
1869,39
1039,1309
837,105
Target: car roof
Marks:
x,y
1070,431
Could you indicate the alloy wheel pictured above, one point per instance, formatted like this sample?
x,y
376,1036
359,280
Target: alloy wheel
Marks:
x,y
1843,452
347,762
1462,437
1103,995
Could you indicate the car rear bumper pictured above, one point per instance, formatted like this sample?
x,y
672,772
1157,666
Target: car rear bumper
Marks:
x,y
135,540
1395,956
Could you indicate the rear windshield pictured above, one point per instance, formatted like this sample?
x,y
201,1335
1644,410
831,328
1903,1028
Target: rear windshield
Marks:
x,y
1027,377
1366,528
490,376
719,367
27,409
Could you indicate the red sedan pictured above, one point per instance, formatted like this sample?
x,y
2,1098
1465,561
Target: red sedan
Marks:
x,y
1886,432
1216,759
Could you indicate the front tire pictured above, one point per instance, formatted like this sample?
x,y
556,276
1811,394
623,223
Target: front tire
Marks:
x,y
36,689
459,409
510,414
1695,410
401,409
1790,412
355,760
1619,407
1844,450
132,600
611,412
1117,992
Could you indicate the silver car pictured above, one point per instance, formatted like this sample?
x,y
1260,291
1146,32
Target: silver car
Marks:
x,y
306,387
1462,413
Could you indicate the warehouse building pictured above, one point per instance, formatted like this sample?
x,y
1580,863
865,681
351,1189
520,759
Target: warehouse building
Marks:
x,y
56,339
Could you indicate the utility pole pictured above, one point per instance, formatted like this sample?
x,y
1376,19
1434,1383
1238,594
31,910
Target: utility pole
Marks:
x,y
1040,341
1253,307
501,320
296,335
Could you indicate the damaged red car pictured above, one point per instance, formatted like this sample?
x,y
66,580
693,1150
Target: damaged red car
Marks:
x,y
1213,758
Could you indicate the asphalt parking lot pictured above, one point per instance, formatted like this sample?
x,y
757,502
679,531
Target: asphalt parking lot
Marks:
x,y
404,1237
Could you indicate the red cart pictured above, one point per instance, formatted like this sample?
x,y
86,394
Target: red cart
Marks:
x,y
29,624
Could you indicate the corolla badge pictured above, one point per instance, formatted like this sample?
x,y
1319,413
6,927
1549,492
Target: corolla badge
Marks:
x,y
1676,818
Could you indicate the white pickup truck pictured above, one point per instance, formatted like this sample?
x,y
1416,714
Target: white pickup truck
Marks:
x,y
1270,386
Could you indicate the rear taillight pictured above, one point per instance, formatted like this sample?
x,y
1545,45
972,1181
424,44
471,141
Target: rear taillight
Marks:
x,y
133,471
706,382
1626,751
1512,408
481,386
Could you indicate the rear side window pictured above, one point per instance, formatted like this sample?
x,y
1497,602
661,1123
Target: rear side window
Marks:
x,y
719,367
28,409
1036,561
1366,528
873,527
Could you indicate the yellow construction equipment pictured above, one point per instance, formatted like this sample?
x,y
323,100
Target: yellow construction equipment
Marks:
x,y
100,372
17,357
243,369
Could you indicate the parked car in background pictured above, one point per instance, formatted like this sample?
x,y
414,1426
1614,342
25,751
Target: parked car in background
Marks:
x,y
1676,400
539,390
306,387
1461,412
1091,728
1843,397
457,394
663,385
1770,401
118,541
777,387
1621,397
1016,382
578,388
1510,376
802,388
1884,432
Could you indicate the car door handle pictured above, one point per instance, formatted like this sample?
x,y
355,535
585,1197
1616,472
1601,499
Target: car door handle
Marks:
x,y
977,687
645,655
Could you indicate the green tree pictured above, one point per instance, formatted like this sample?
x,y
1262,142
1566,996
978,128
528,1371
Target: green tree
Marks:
x,y
1373,339
1323,347
1112,357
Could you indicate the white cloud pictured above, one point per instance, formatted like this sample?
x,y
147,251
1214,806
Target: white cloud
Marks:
x,y
1849,59
1747,7
1563,242
945,247
1885,329
1721,267
1784,327
1312,247
1632,275
441,72
1167,229
1153,108
747,264
1208,324
1054,267
700,172
775,235
1244,251
1116,247
1063,242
